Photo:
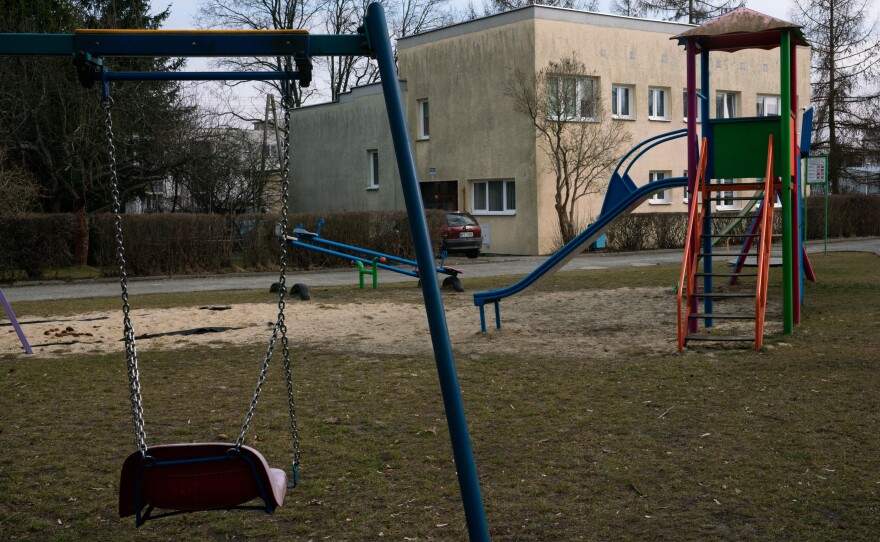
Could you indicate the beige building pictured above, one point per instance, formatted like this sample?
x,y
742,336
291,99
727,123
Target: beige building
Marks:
x,y
474,153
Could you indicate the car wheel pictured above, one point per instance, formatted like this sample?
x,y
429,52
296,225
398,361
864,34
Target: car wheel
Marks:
x,y
473,253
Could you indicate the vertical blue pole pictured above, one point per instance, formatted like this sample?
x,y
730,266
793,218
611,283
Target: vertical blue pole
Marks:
x,y
468,482
707,225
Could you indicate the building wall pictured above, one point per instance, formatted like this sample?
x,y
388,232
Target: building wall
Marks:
x,y
474,135
330,164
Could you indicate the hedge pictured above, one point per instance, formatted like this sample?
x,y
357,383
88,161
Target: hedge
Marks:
x,y
32,243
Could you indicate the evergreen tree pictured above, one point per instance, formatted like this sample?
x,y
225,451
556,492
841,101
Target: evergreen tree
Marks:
x,y
845,70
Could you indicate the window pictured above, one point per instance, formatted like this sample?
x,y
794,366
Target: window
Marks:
x,y
424,120
768,106
725,199
659,197
684,106
373,156
621,102
725,105
571,98
685,198
657,103
271,151
494,197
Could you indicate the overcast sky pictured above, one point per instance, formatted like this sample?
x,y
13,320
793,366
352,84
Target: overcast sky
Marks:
x,y
183,11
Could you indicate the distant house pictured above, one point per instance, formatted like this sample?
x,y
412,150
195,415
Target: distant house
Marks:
x,y
235,187
473,152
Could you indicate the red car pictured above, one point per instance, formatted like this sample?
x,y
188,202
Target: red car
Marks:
x,y
461,233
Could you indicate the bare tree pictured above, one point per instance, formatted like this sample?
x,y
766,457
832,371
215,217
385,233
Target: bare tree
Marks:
x,y
18,191
500,6
845,70
405,17
574,131
629,8
262,15
690,11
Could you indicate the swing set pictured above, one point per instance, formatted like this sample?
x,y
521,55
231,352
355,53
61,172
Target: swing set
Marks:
x,y
181,478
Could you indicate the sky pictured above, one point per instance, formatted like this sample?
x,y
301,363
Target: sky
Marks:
x,y
246,98
183,12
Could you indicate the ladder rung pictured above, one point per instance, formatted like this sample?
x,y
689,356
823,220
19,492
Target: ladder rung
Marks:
x,y
723,316
725,338
725,254
725,274
735,198
724,235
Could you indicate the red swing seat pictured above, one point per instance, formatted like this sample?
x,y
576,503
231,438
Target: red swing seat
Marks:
x,y
199,476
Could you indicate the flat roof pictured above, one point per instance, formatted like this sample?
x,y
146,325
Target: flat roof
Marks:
x,y
548,13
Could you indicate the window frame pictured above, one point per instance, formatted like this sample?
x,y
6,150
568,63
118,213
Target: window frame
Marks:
x,y
616,101
424,112
507,193
761,105
579,80
722,194
725,93
653,102
685,198
684,105
373,168
659,198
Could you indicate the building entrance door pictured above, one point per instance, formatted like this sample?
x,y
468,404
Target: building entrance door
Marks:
x,y
441,195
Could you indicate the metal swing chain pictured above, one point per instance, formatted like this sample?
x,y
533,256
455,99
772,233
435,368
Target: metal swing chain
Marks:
x,y
134,383
280,324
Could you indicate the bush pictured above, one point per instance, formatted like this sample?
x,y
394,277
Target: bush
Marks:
x,y
644,231
32,243
162,244
848,216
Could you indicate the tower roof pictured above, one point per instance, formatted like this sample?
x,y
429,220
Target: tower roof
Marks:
x,y
742,28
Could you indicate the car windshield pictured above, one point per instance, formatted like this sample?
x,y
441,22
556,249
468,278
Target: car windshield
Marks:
x,y
461,220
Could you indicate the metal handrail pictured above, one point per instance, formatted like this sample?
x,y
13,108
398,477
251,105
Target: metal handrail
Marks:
x,y
689,261
764,252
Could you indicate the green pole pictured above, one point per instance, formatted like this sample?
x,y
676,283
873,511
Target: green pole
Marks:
x,y
785,174
826,209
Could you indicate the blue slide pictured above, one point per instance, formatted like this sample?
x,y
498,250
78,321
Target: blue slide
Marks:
x,y
621,198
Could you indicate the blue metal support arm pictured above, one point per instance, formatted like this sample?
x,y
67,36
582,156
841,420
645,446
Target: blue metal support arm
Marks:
x,y
201,76
465,466
176,43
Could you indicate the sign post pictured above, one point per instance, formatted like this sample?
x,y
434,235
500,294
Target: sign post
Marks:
x,y
817,174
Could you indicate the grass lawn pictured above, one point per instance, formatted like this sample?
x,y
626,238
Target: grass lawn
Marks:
x,y
709,445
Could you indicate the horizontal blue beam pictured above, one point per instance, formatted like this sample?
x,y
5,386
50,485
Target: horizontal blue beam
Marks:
x,y
185,44
201,76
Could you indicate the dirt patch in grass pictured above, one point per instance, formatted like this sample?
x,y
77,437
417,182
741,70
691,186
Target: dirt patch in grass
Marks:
x,y
604,323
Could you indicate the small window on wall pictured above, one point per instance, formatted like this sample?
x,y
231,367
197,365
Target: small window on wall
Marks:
x,y
494,197
685,198
725,105
424,120
571,98
657,103
373,159
659,197
725,199
684,106
621,102
768,106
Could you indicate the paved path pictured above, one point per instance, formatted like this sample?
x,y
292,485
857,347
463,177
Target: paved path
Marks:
x,y
484,266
